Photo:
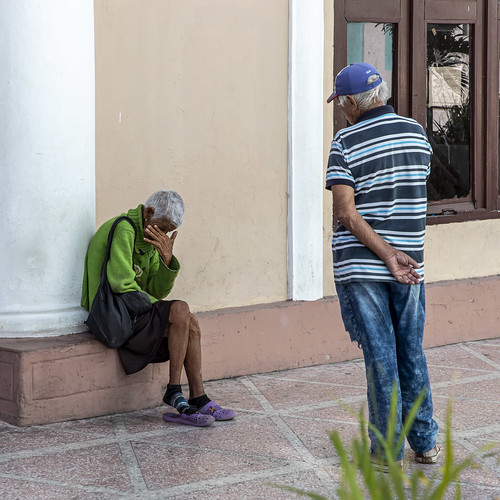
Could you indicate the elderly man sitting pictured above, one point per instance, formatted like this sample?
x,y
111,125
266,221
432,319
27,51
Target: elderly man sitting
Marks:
x,y
168,331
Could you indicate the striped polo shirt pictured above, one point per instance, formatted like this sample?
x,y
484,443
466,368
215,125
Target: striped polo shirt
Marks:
x,y
385,158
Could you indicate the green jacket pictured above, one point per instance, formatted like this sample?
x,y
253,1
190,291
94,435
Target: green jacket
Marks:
x,y
149,275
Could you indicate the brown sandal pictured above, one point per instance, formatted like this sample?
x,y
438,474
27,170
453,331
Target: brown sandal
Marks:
x,y
381,465
428,457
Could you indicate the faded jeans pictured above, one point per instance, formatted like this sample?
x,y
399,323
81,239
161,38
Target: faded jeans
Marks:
x,y
387,320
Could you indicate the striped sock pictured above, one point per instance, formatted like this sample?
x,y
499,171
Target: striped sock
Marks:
x,y
174,397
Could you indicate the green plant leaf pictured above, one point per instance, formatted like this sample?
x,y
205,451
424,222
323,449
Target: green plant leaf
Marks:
x,y
360,477
300,492
349,472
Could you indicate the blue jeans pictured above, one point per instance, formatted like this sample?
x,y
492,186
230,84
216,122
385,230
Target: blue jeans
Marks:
x,y
387,320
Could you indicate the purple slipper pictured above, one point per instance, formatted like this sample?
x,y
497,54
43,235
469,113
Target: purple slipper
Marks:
x,y
217,412
196,419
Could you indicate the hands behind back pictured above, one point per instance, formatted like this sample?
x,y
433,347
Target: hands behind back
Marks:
x,y
402,267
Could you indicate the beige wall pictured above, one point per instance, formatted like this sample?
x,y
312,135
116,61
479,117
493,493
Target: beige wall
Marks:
x,y
192,96
462,250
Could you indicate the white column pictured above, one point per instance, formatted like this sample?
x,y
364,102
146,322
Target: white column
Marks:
x,y
305,150
47,163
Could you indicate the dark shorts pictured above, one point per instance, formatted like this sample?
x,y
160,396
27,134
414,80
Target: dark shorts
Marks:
x,y
148,344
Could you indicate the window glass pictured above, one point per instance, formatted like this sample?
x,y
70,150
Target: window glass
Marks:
x,y
372,43
448,110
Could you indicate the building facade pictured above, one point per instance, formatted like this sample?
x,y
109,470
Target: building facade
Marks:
x,y
224,102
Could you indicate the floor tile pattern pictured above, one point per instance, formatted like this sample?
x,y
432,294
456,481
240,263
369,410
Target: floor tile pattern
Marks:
x,y
278,437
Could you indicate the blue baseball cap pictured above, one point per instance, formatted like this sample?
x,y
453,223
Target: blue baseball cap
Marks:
x,y
353,80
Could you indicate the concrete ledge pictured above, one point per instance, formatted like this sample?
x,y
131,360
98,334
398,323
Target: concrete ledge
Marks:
x,y
64,378
74,376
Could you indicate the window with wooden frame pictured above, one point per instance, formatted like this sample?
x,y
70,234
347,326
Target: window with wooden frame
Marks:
x,y
441,59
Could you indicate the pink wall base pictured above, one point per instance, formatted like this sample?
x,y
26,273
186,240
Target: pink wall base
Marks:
x,y
291,334
53,379
64,378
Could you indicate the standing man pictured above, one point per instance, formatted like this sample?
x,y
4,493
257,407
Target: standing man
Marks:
x,y
377,172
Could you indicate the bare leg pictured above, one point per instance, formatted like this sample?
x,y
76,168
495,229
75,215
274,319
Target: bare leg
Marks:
x,y
192,363
178,336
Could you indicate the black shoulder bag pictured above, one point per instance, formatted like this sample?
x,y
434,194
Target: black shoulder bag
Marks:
x,y
112,315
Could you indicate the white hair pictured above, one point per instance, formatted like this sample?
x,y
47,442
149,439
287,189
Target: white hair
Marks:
x,y
167,205
366,100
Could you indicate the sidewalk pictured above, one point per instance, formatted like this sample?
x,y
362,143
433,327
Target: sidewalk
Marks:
x,y
279,436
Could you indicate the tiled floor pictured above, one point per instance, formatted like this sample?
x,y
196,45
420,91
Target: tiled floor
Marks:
x,y
278,437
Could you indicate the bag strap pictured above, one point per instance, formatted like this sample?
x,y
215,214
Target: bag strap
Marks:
x,y
110,239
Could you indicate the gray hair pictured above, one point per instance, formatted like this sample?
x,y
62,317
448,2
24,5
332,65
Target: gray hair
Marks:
x,y
366,100
167,205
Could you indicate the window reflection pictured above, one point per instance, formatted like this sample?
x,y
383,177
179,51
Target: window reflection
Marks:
x,y
448,110
372,43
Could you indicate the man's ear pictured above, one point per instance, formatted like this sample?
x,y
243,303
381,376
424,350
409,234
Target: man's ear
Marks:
x,y
352,101
148,212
